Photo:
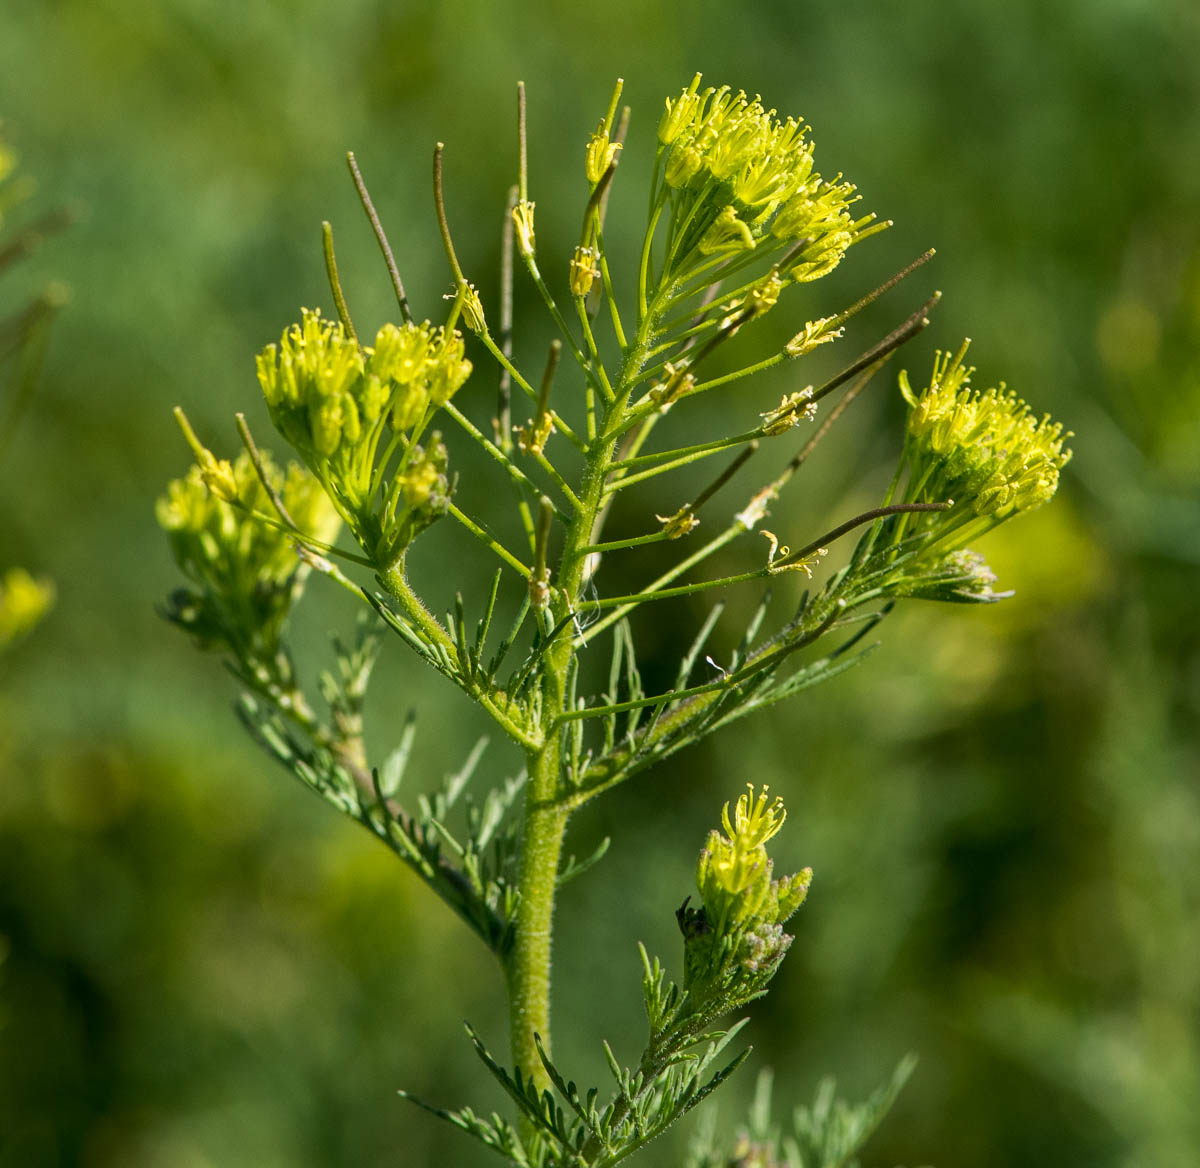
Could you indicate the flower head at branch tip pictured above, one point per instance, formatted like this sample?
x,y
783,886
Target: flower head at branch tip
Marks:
x,y
735,941
985,449
745,178
336,403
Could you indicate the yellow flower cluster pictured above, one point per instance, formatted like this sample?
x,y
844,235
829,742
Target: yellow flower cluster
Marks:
x,y
242,563
336,401
734,870
757,171
985,449
324,391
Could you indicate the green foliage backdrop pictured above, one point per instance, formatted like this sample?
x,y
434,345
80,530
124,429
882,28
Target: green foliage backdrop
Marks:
x,y
199,966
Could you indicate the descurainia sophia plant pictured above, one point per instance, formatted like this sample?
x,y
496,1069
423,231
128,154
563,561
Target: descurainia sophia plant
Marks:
x,y
738,216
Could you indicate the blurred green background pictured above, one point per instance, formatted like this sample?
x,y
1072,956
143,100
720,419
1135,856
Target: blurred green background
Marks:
x,y
201,965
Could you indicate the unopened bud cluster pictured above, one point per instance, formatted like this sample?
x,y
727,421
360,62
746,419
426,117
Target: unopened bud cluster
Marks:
x,y
734,943
353,414
961,577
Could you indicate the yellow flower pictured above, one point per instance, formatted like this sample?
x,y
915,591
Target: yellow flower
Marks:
x,y
982,449
746,177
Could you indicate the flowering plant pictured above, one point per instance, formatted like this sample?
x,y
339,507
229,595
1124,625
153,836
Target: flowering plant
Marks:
x,y
738,215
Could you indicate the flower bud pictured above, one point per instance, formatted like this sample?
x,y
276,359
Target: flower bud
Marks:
x,y
683,164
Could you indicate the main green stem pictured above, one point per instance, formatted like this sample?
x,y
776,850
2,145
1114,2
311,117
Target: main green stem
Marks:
x,y
527,966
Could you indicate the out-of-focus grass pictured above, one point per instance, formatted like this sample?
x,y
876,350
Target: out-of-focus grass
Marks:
x,y
202,967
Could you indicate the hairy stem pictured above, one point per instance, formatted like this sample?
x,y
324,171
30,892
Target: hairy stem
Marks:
x,y
547,803
528,967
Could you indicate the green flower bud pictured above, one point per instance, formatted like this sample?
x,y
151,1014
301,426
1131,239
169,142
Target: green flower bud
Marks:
x,y
749,176
683,164
962,577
